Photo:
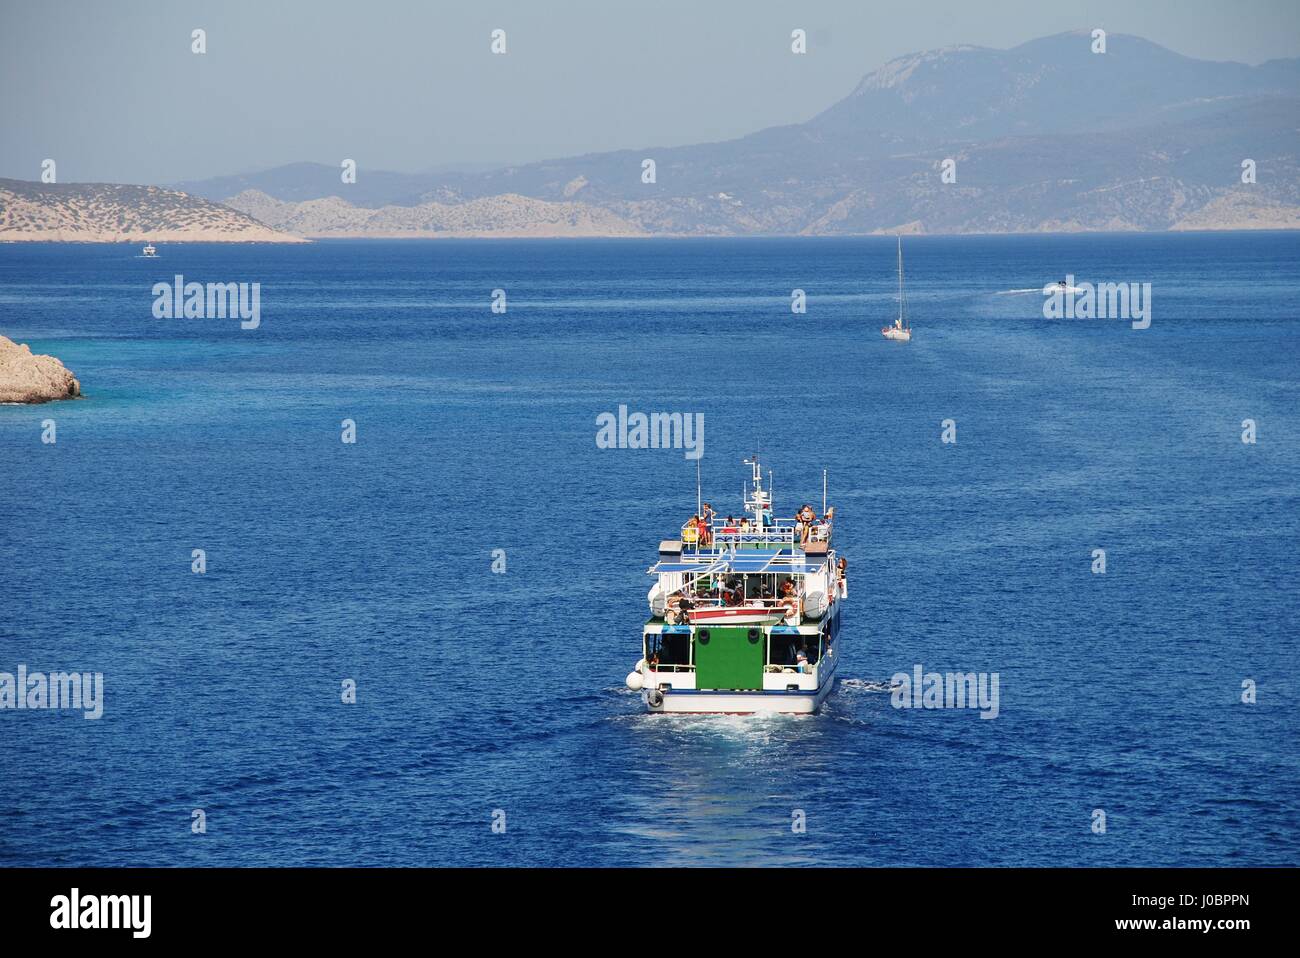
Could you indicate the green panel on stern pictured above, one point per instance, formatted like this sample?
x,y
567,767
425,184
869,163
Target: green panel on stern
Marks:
x,y
728,658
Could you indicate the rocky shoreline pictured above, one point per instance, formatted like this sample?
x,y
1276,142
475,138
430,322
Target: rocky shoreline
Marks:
x,y
32,378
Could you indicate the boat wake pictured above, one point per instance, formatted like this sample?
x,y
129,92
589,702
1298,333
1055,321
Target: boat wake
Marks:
x,y
1039,289
855,686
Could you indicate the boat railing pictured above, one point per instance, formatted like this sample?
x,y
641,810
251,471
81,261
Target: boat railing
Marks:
x,y
820,532
724,534
783,535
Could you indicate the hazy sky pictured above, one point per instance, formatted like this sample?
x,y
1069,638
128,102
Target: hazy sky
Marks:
x,y
111,90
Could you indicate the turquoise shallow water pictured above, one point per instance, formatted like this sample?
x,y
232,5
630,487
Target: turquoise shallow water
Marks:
x,y
476,432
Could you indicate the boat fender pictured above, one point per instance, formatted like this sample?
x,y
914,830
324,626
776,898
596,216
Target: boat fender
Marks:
x,y
654,698
814,605
634,681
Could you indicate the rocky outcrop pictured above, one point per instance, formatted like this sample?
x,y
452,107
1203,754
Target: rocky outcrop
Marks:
x,y
28,378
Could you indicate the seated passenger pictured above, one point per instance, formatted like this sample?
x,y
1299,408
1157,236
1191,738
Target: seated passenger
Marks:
x,y
801,661
677,607
691,530
822,530
789,597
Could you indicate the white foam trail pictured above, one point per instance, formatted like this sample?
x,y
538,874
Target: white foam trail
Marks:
x,y
863,685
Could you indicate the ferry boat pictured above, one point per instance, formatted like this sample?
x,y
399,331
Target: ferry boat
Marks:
x,y
744,613
901,331
148,250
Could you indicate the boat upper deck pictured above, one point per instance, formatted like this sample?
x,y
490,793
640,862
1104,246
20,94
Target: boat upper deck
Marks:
x,y
775,548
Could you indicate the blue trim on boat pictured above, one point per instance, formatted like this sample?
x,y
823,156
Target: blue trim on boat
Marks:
x,y
672,691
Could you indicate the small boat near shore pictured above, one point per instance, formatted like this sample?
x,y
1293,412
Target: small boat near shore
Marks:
x,y
149,250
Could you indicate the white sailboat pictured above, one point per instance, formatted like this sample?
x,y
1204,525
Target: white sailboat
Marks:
x,y
901,331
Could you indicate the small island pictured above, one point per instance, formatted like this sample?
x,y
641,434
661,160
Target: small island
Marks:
x,y
28,378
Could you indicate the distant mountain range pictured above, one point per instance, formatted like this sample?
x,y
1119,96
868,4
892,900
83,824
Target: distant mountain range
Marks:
x,y
1047,136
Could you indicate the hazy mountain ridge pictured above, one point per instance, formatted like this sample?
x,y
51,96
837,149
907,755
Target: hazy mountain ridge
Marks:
x,y
504,215
111,213
1046,136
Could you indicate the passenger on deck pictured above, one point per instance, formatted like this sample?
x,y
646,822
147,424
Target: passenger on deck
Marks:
x,y
789,597
691,531
842,577
801,661
804,521
703,524
677,607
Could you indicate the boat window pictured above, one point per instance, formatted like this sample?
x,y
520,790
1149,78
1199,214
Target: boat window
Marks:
x,y
785,649
675,649
672,648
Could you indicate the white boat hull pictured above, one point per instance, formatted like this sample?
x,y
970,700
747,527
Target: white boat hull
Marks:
x,y
897,335
771,702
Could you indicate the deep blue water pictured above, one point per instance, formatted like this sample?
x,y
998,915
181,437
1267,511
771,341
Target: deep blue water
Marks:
x,y
479,691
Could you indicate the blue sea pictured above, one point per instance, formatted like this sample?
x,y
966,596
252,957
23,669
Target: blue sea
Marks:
x,y
487,696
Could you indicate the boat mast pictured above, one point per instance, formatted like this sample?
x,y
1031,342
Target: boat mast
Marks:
x,y
902,319
754,500
823,492
699,498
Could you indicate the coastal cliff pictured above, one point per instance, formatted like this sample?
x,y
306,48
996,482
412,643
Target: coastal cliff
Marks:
x,y
28,378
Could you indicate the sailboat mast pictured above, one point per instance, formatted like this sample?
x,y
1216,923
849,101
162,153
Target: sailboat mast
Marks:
x,y
900,283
